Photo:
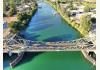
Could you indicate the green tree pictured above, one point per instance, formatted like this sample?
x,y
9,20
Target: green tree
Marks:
x,y
86,8
4,9
12,7
4,6
71,5
68,13
85,23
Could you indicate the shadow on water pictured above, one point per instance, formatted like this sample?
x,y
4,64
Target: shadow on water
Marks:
x,y
32,37
14,55
63,37
40,27
6,60
54,39
60,38
28,56
43,18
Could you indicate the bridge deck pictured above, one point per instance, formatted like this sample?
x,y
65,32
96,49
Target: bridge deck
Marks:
x,y
16,43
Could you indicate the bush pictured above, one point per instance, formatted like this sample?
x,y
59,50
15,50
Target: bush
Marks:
x,y
68,13
85,23
11,24
87,9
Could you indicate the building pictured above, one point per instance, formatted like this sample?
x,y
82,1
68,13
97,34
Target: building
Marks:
x,y
23,8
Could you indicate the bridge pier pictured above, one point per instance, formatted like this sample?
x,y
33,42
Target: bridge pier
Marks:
x,y
89,58
18,59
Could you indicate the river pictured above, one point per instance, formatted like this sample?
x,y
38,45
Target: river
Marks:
x,y
47,26
53,61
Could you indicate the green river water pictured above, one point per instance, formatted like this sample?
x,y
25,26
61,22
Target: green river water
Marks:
x,y
52,28
53,61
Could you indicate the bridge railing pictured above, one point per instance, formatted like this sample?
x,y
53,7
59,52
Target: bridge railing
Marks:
x,y
51,47
17,43
29,42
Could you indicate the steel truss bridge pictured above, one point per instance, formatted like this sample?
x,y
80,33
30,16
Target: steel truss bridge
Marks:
x,y
16,44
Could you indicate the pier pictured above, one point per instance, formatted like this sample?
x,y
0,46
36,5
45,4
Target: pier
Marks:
x,y
17,60
89,58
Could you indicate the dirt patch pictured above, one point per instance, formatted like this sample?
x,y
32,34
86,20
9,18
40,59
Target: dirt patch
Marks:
x,y
10,19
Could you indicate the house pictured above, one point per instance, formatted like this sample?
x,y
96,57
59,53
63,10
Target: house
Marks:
x,y
23,8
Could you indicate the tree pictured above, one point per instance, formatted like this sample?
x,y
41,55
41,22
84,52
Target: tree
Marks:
x,y
68,13
12,8
71,5
86,8
26,1
4,6
85,23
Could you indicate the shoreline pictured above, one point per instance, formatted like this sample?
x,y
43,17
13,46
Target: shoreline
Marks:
x,y
20,24
66,19
11,30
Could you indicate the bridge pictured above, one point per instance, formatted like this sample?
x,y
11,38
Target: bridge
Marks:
x,y
17,60
17,44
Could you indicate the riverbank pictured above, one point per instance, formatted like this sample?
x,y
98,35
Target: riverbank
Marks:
x,y
67,19
23,19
